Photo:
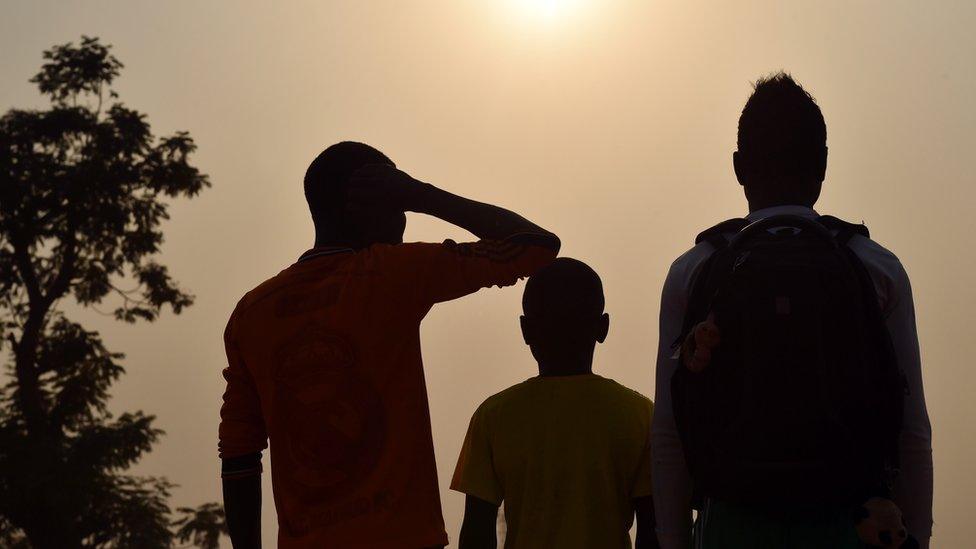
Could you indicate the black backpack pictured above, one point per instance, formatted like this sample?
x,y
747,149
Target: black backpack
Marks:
x,y
802,400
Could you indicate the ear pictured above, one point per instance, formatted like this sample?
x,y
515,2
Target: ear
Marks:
x,y
527,334
603,328
738,164
822,165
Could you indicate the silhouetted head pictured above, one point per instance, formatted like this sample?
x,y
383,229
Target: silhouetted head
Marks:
x,y
563,317
326,183
782,145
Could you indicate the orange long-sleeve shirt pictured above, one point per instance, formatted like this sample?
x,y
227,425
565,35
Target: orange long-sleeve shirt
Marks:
x,y
324,360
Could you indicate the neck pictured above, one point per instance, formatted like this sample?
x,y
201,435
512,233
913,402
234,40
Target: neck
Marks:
x,y
333,244
756,204
566,367
764,196
329,240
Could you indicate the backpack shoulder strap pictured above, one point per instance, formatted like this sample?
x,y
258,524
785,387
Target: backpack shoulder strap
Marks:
x,y
845,230
882,339
698,297
716,235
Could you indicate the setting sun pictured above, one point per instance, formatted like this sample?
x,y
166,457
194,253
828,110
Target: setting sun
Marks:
x,y
547,9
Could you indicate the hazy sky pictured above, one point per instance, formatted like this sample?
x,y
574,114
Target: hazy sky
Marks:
x,y
610,122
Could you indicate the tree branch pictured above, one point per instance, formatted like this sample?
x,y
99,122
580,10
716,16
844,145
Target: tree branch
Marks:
x,y
25,351
62,281
27,274
127,293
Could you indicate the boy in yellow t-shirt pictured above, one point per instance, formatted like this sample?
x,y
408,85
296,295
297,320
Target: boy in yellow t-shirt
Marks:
x,y
568,451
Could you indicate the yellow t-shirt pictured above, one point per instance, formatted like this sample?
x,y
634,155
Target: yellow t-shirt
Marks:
x,y
567,455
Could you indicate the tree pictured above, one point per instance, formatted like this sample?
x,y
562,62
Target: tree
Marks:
x,y
83,192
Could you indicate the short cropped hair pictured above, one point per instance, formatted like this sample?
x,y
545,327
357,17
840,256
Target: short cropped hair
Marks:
x,y
782,122
567,289
327,176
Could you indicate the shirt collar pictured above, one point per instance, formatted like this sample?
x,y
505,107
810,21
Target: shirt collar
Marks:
x,y
323,251
802,211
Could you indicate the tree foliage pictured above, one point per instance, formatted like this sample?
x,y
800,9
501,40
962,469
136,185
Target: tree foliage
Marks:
x,y
84,186
201,526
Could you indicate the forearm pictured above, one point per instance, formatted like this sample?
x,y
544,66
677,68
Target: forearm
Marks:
x,y
913,487
646,537
672,484
478,528
477,536
672,493
485,221
242,508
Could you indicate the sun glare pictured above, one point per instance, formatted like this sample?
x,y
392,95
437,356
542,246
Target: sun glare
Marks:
x,y
547,10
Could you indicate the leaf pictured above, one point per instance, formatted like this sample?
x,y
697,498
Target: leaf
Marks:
x,y
71,69
202,526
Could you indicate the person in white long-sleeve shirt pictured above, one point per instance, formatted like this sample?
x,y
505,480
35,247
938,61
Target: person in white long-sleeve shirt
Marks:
x,y
781,169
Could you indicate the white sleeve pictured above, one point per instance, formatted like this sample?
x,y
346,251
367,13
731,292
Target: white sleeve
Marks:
x,y
672,484
913,487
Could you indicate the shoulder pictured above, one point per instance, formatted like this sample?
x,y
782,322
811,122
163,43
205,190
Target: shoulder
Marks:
x,y
502,398
880,261
686,266
256,294
498,251
876,256
886,270
500,406
411,253
407,248
396,251
684,269
629,397
688,263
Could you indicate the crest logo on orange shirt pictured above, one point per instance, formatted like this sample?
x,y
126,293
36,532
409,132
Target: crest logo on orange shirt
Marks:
x,y
329,419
